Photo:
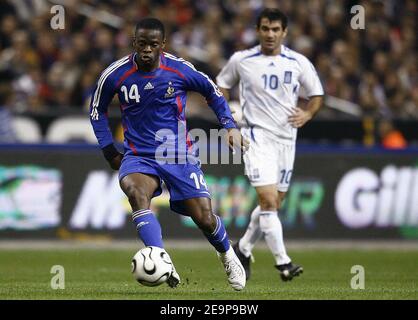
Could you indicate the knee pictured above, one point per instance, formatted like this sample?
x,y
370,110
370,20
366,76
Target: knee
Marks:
x,y
269,202
138,197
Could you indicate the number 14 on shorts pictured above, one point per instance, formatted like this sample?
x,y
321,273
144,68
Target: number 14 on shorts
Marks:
x,y
199,181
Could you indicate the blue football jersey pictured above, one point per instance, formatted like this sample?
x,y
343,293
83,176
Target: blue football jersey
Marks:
x,y
152,104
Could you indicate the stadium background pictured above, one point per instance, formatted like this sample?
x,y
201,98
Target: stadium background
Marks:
x,y
356,171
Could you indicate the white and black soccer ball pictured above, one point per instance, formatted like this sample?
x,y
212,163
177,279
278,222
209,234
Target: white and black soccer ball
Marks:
x,y
151,266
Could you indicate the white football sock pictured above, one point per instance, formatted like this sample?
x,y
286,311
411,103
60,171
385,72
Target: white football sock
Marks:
x,y
271,227
252,234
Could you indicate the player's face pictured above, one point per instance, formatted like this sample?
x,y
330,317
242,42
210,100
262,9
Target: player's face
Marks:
x,y
271,35
148,44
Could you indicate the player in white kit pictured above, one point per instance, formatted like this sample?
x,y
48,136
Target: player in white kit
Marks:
x,y
270,77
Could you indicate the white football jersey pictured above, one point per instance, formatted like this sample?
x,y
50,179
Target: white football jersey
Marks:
x,y
269,87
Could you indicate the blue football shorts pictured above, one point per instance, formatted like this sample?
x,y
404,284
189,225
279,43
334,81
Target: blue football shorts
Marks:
x,y
183,181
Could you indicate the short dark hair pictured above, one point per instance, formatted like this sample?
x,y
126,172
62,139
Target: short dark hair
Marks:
x,y
272,14
150,24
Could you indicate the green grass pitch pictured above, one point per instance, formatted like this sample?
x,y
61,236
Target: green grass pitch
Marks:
x,y
105,274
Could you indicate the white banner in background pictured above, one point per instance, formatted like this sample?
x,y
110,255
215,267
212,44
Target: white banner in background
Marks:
x,y
30,197
366,199
100,204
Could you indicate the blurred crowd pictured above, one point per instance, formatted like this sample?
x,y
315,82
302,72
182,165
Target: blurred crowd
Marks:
x,y
47,69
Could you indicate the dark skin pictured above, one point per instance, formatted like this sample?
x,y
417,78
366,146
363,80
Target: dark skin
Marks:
x,y
139,187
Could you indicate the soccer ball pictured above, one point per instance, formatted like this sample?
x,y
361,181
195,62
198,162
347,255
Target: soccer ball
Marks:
x,y
151,266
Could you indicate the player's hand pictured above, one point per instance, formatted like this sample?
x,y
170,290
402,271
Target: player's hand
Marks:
x,y
113,156
116,162
236,139
299,118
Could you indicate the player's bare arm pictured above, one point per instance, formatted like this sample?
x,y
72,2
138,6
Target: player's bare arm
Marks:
x,y
301,116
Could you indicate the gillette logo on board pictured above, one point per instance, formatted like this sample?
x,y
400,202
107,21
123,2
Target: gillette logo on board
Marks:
x,y
364,198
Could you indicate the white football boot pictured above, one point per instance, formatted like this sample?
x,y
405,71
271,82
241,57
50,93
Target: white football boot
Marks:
x,y
233,268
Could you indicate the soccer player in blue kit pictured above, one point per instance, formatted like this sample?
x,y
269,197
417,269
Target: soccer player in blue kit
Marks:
x,y
152,87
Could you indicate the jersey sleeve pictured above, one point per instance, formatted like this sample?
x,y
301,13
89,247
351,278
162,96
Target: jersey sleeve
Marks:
x,y
103,95
201,83
309,79
229,76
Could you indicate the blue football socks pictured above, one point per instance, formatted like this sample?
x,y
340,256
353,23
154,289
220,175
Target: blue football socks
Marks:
x,y
148,228
219,238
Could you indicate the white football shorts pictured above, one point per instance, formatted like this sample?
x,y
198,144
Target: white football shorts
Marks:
x,y
268,161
